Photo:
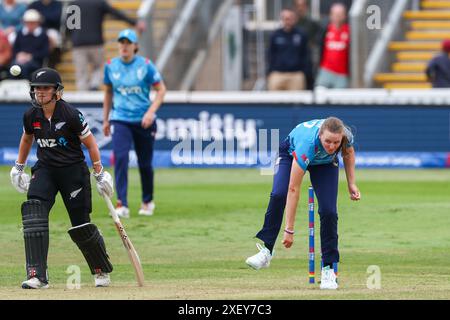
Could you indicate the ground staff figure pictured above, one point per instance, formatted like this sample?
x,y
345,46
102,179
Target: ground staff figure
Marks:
x,y
311,146
59,129
128,80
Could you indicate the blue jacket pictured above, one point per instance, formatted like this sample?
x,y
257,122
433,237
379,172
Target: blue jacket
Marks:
x,y
51,13
36,44
288,51
12,18
438,71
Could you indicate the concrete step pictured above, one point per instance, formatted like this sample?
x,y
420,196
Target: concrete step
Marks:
x,y
415,55
427,35
65,67
115,24
165,4
126,5
68,77
407,85
110,46
67,57
415,45
162,15
435,5
430,24
400,77
427,14
69,86
408,67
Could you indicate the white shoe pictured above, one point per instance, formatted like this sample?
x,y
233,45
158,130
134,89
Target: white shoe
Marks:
x,y
328,280
261,259
34,283
102,279
147,209
123,212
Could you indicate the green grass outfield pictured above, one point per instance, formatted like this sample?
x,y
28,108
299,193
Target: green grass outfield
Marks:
x,y
195,245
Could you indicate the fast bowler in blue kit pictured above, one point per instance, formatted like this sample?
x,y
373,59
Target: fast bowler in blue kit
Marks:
x,y
311,146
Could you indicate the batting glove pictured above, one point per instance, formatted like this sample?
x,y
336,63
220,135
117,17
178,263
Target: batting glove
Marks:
x,y
105,185
19,179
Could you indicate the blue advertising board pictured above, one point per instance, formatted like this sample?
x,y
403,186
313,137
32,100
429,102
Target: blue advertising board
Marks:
x,y
246,135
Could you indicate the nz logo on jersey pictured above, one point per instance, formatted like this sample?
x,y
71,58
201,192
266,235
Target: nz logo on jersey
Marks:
x,y
47,143
51,143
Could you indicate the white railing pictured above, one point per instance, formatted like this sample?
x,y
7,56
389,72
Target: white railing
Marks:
x,y
17,91
201,56
176,33
359,42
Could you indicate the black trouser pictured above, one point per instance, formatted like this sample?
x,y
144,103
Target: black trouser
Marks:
x,y
73,183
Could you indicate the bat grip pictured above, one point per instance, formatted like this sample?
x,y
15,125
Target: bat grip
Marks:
x,y
111,208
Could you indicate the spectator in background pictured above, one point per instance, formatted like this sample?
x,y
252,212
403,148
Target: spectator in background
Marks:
x,y
325,5
5,56
51,12
31,44
87,41
438,69
288,58
11,14
335,54
313,30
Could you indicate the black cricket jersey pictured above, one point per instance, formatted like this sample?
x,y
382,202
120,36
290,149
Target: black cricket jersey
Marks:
x,y
58,138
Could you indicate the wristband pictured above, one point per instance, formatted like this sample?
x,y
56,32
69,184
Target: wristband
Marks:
x,y
289,231
98,175
19,166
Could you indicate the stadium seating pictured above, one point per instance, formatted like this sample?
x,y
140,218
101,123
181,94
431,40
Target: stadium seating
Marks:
x,y
427,28
161,19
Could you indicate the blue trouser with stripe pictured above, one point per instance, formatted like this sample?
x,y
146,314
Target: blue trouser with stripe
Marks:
x,y
125,134
324,179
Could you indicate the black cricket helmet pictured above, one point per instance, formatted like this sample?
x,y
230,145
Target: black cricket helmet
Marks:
x,y
45,77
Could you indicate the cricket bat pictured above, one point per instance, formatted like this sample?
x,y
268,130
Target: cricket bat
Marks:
x,y
132,254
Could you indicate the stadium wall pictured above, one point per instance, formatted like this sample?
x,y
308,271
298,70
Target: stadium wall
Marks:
x,y
242,134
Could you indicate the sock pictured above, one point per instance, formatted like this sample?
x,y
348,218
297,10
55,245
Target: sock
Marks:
x,y
269,246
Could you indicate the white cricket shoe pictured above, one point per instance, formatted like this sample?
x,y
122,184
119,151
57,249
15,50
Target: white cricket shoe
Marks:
x,y
147,209
261,259
34,283
102,279
328,280
123,212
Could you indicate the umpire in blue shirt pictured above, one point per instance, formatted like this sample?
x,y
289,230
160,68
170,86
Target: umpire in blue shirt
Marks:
x,y
288,56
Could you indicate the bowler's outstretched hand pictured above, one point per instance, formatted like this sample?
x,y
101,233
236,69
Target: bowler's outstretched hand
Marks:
x,y
355,194
288,240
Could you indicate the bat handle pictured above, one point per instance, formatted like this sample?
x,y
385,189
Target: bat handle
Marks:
x,y
111,208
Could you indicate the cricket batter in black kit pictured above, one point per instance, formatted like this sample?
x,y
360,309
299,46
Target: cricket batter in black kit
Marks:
x,y
58,129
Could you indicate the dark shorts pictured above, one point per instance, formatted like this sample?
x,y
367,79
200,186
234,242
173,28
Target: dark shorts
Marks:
x,y
72,182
